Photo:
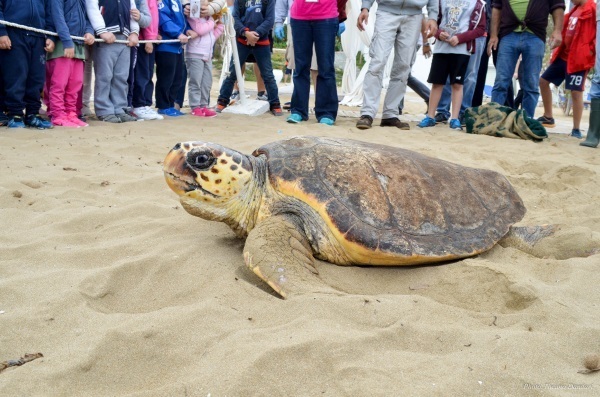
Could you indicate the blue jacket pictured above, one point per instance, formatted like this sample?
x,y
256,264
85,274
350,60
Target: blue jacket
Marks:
x,y
254,15
70,18
171,23
32,13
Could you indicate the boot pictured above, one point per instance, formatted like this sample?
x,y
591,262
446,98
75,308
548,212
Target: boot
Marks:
x,y
593,134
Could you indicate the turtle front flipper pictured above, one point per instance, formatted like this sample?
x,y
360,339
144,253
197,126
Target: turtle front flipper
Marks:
x,y
279,253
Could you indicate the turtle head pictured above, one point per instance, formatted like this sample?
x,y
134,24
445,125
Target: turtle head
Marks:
x,y
209,178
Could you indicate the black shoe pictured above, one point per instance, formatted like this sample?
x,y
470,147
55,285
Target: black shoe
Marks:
x,y
395,122
547,121
364,123
441,118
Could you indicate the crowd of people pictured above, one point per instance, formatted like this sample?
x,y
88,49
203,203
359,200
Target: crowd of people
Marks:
x,y
56,70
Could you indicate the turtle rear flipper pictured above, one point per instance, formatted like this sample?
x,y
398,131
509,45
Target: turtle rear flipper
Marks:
x,y
555,241
279,253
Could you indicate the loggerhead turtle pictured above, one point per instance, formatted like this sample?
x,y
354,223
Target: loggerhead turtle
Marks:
x,y
343,201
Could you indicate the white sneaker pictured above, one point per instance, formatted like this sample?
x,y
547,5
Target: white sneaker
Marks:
x,y
152,113
145,113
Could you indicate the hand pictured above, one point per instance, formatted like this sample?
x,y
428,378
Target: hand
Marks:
x,y
132,40
182,38
492,45
555,39
191,34
186,10
427,51
136,15
431,28
89,39
149,47
49,45
444,36
69,53
108,37
252,38
279,33
363,20
341,28
5,43
453,41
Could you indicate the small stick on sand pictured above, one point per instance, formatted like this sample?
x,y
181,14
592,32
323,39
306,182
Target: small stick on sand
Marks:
x,y
23,360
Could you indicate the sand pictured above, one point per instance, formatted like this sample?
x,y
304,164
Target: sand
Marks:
x,y
125,294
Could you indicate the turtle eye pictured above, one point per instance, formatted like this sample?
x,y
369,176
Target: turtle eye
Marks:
x,y
200,160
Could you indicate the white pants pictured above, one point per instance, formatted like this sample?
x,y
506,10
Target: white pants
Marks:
x,y
401,33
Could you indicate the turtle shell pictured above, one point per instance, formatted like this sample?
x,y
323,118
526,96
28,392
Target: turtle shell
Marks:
x,y
387,205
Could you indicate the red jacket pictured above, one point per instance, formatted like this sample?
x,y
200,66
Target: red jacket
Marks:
x,y
582,54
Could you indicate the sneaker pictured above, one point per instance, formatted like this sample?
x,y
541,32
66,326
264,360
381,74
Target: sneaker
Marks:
x,y
86,111
198,112
455,124
220,106
441,118
287,106
427,122
125,118
364,123
145,113
276,110
3,119
110,118
576,133
395,122
36,121
235,95
64,121
178,112
294,118
209,113
16,122
326,121
262,96
171,112
73,118
547,121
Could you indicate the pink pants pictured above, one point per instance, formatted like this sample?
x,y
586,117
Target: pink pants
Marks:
x,y
64,82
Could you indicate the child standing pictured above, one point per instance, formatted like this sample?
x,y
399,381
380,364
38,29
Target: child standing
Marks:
x,y
64,66
169,56
23,59
198,60
460,23
112,21
571,61
143,86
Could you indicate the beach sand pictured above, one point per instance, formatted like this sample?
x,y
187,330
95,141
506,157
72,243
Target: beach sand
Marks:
x,y
125,294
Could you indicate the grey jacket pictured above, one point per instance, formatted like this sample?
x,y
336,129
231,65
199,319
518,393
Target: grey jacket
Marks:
x,y
405,7
145,17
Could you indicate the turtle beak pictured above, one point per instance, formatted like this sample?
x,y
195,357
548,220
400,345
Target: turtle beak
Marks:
x,y
180,178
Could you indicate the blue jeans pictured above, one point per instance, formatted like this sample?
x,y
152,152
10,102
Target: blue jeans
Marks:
x,y
322,34
469,83
595,90
531,48
262,54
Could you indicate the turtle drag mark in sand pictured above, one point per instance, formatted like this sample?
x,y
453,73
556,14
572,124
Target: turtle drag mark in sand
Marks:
x,y
346,202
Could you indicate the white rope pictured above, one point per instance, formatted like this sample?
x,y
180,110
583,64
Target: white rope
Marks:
x,y
16,25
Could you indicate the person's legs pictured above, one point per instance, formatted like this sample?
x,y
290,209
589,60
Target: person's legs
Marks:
x,y
105,59
73,90
140,79
546,93
577,108
86,92
532,49
404,47
443,107
149,91
206,84
481,76
383,41
15,64
303,48
508,54
131,77
118,89
227,85
326,98
57,78
457,97
36,76
263,59
434,98
260,83
165,74
194,67
593,135
472,72
179,82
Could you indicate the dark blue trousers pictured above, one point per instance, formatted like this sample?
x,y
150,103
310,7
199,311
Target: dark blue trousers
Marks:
x,y
131,77
23,73
143,86
169,77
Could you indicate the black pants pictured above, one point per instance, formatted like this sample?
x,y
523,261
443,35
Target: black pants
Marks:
x,y
23,72
131,78
143,86
169,77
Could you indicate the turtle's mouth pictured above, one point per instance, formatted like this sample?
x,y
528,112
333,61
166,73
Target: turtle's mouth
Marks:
x,y
181,186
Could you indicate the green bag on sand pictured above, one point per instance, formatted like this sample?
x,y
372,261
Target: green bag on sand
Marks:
x,y
496,120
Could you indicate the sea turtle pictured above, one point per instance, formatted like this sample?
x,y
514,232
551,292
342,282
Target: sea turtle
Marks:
x,y
342,201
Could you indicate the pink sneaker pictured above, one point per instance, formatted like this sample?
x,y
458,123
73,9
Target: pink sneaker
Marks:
x,y
209,112
64,122
75,120
198,112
